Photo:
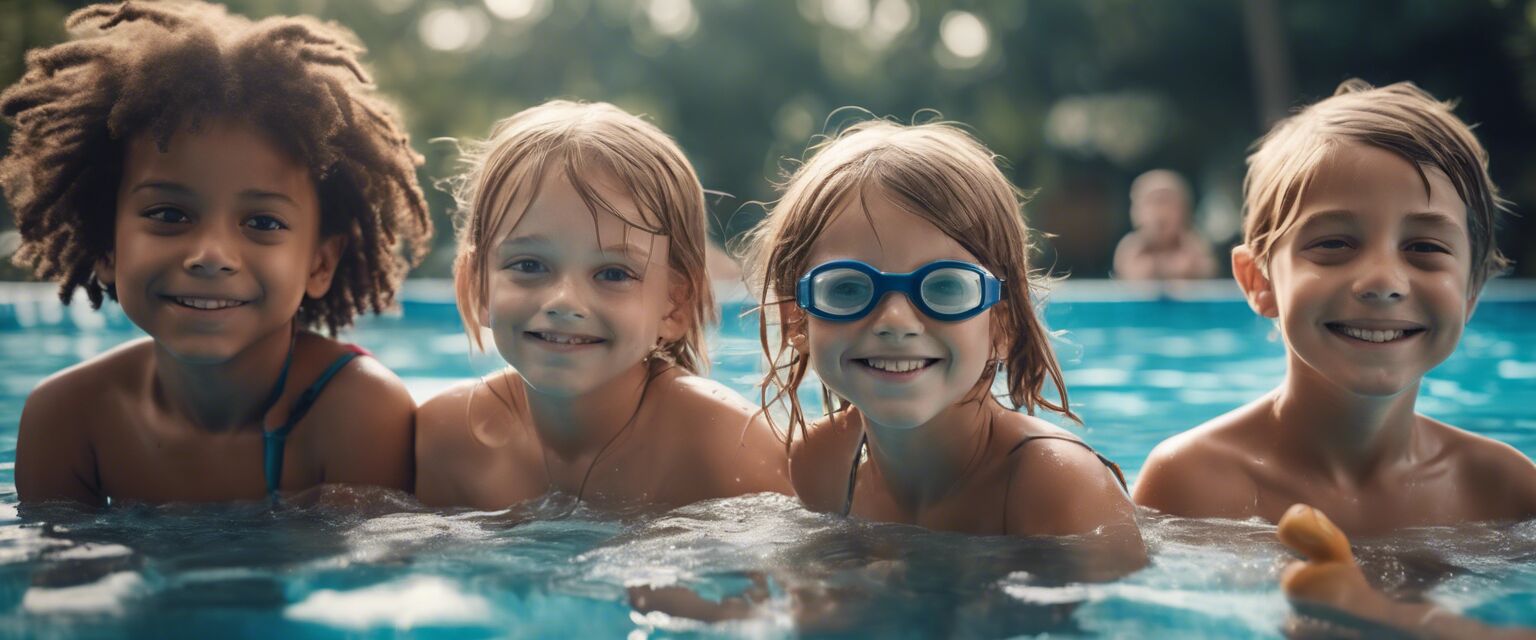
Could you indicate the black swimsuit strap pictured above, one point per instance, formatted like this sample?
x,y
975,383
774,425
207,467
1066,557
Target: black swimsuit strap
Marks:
x,y
858,454
853,473
1119,475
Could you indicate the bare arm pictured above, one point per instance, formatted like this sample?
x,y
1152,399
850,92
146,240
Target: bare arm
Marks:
x,y
54,457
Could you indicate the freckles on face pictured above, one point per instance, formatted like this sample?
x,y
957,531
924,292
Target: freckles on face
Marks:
x,y
215,240
577,296
900,367
1372,280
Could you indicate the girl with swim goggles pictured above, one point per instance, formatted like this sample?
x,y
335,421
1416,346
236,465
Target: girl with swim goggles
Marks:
x,y
895,266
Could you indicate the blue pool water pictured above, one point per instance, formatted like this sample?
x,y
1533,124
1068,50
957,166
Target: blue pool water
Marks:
x,y
1138,371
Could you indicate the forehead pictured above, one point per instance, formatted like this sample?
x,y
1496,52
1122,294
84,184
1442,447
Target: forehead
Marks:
x,y
1376,185
876,230
220,156
558,215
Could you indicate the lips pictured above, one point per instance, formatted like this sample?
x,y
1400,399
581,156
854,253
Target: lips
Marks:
x,y
563,339
205,303
1376,332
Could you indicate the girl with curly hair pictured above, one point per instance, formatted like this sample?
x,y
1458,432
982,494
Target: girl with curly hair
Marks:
x,y
233,185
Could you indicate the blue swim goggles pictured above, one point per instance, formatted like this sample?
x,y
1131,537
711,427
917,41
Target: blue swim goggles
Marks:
x,y
947,290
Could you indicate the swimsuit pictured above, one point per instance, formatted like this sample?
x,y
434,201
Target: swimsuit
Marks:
x,y
273,441
853,473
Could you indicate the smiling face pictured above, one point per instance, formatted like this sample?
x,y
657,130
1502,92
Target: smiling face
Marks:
x,y
900,367
1371,284
575,297
217,241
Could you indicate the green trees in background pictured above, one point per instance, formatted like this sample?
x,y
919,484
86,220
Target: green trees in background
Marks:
x,y
1078,96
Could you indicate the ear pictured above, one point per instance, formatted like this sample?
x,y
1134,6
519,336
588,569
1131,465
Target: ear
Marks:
x,y
792,324
1254,283
1472,305
676,323
323,267
106,269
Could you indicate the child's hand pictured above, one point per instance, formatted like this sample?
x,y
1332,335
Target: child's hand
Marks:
x,y
1330,587
1328,575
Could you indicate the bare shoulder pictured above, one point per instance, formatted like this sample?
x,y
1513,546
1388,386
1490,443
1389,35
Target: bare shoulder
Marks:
x,y
1060,487
710,407
55,452
119,370
360,424
820,461
725,430
1499,472
1202,472
1056,486
444,423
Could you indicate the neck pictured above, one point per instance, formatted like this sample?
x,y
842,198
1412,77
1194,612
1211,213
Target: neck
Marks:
x,y
1344,434
574,427
223,395
922,465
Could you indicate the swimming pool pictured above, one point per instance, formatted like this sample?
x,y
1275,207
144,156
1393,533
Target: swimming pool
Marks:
x,y
1139,367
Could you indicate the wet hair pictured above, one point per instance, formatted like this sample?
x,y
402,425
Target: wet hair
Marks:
x,y
162,69
939,173
591,144
1400,118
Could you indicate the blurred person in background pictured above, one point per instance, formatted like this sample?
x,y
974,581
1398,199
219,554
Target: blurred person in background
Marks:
x,y
1163,245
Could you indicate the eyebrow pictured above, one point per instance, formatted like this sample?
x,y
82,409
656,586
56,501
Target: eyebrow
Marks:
x,y
630,249
1434,218
183,190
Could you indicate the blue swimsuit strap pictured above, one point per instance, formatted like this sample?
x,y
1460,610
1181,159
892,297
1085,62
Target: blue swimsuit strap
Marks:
x,y
274,441
853,472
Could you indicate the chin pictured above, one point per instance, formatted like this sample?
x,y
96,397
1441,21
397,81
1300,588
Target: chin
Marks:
x,y
200,350
897,418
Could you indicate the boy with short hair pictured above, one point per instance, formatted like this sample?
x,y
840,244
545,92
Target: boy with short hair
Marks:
x,y
1369,233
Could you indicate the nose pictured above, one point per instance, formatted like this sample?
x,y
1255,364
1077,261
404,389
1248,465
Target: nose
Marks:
x,y
215,252
566,299
1383,278
896,319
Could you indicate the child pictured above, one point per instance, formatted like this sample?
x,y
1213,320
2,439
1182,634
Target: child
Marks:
x,y
230,184
896,266
583,253
1369,233
1162,246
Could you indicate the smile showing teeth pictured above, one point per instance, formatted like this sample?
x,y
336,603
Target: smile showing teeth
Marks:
x,y
1374,335
896,366
560,338
207,304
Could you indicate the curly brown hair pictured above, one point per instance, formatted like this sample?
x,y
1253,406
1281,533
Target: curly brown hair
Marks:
x,y
158,69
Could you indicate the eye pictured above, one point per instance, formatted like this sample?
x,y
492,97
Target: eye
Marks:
x,y
1424,246
265,223
526,265
169,215
1330,244
614,274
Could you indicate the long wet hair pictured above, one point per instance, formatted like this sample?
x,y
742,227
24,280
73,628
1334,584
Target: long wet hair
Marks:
x,y
939,173
159,69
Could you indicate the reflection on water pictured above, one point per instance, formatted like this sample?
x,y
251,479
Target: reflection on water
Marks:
x,y
555,567
341,562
